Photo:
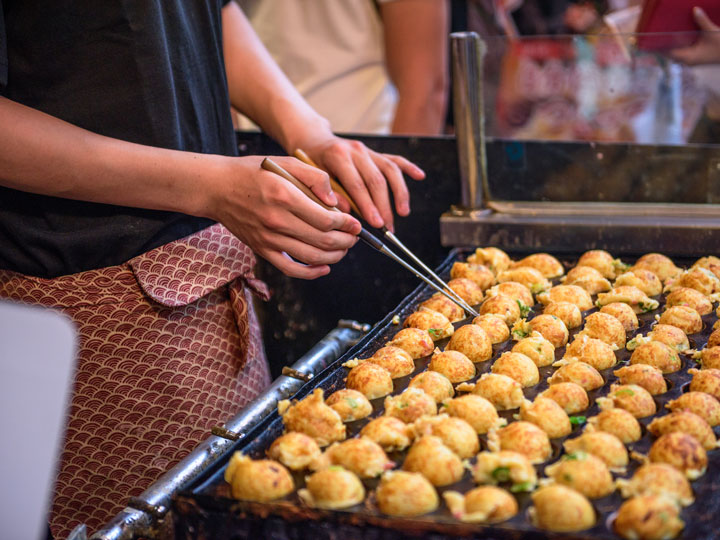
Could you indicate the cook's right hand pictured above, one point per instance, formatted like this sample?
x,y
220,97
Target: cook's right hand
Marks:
x,y
706,50
278,221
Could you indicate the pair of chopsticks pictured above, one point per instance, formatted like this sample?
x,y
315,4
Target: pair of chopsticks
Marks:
x,y
438,284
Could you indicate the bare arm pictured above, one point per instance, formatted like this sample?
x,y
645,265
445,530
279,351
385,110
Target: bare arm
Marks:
x,y
416,35
706,49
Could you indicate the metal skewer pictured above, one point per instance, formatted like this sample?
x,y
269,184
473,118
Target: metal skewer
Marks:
x,y
269,165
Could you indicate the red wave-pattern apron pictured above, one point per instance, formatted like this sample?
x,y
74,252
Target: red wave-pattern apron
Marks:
x,y
169,346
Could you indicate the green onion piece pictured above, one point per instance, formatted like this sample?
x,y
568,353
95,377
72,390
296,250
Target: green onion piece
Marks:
x,y
520,333
625,392
524,309
434,331
351,401
335,468
501,474
577,420
522,486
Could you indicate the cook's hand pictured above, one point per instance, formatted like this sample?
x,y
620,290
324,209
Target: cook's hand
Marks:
x,y
706,50
365,174
278,221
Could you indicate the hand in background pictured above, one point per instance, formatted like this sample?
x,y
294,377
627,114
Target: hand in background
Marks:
x,y
707,48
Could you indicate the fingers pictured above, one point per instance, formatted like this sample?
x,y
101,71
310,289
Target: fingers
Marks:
x,y
317,180
703,20
290,268
376,183
346,171
394,176
407,166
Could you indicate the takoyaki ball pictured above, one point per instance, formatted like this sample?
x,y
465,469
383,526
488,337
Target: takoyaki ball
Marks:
x,y
700,279
672,336
537,348
495,327
568,313
476,411
601,261
430,457
434,384
684,296
504,466
567,293
544,263
561,509
456,433
332,489
627,294
467,289
714,339
414,341
442,304
528,276
711,262
709,357
684,317
313,418
502,391
362,456
516,291
584,473
631,397
547,415
685,422
643,279
453,364
495,259
517,366
350,404
647,376
295,450
682,451
600,444
591,351
658,264
617,422
700,403
396,360
523,437
405,494
551,328
588,278
570,396
502,306
706,380
259,480
605,328
649,517
370,379
477,273
623,313
658,479
437,324
410,404
486,504
473,342
391,433
580,373
657,354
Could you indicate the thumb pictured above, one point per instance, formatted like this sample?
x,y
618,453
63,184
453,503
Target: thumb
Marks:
x,y
703,21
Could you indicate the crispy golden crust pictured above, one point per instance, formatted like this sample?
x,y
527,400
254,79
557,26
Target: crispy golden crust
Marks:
x,y
502,391
682,451
259,480
605,446
658,264
370,379
503,466
567,293
706,380
494,326
430,457
516,291
396,360
584,473
568,313
313,418
700,279
414,341
561,509
537,348
684,317
517,366
601,261
628,294
295,450
588,278
502,306
453,364
657,354
473,342
544,263
617,422
547,415
407,494
649,517
434,384
647,376
495,259
685,296
467,289
643,279
526,275
684,422
591,351
476,411
570,396
410,405
486,504
332,489
362,456
391,433
700,403
435,323
523,437
580,373
442,304
551,328
605,328
477,273
658,479
631,397
623,313
455,433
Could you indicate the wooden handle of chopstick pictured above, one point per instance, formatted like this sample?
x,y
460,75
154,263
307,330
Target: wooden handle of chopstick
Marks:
x,y
269,165
307,160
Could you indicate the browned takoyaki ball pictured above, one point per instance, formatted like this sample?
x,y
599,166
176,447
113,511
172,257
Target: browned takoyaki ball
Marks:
x,y
502,306
568,313
711,262
516,291
547,415
714,339
495,259
588,278
537,348
362,456
476,411
504,466
643,279
605,328
682,451
259,480
650,517
601,261
467,289
600,444
658,264
434,384
473,342
700,403
567,293
584,473
391,433
684,317
502,391
623,313
405,494
671,336
437,324
485,504
700,279
410,404
579,373
647,376
396,360
634,297
430,457
517,366
631,397
313,418
592,351
685,296
709,357
706,380
442,304
332,489
685,422
350,404
495,327
453,364
526,275
544,263
370,379
570,396
477,273
456,433
617,422
523,437
561,509
658,479
414,341
657,354
295,450
551,328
